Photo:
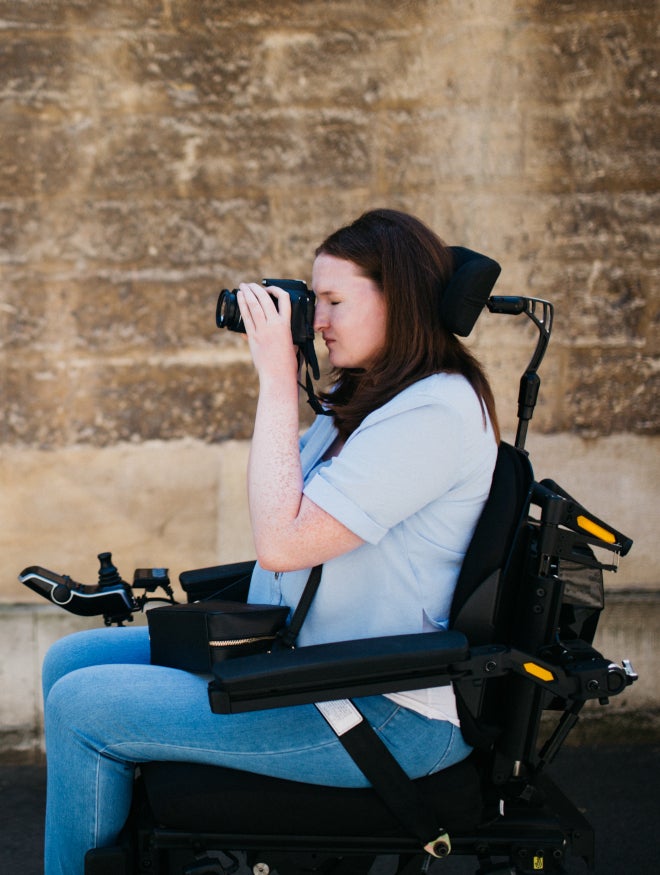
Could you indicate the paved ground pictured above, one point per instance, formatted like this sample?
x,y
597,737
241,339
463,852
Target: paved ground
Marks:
x,y
618,788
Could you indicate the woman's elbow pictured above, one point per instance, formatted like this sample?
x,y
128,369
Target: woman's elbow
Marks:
x,y
266,562
272,557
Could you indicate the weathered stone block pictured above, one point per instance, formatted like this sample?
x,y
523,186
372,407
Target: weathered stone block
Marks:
x,y
39,158
132,316
421,148
24,62
55,402
140,235
178,504
616,478
285,149
57,15
609,390
171,401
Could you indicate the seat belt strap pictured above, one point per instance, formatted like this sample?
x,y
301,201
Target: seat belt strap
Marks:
x,y
384,773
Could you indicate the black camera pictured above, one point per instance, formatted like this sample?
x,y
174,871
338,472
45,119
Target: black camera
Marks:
x,y
227,314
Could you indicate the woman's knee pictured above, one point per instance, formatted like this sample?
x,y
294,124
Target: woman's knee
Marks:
x,y
60,659
93,647
71,700
89,702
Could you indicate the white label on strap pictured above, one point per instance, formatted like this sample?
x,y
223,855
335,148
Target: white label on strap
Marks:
x,y
341,714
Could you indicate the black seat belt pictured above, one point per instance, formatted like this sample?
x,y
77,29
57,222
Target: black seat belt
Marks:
x,y
367,750
385,775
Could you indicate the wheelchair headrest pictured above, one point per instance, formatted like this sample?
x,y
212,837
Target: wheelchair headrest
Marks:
x,y
468,289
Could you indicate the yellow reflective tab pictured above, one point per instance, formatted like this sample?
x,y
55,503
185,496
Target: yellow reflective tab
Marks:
x,y
541,673
595,530
538,863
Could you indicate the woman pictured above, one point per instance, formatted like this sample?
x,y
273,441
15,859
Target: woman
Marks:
x,y
385,492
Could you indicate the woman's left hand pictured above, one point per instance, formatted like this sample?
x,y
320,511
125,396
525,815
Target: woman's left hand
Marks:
x,y
268,329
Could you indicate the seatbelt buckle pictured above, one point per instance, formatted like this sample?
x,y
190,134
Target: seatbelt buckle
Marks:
x,y
440,846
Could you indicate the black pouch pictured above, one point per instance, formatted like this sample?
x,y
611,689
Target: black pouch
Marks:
x,y
195,637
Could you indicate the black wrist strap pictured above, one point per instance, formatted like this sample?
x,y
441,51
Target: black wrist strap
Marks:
x,y
288,635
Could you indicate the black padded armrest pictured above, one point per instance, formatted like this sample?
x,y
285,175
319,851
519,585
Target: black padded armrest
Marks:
x,y
219,581
334,671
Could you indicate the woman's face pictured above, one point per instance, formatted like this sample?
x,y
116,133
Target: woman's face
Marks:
x,y
350,312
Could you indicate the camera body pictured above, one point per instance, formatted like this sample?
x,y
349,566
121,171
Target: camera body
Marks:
x,y
227,314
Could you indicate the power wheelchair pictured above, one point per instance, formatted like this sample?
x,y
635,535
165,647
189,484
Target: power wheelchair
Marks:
x,y
519,654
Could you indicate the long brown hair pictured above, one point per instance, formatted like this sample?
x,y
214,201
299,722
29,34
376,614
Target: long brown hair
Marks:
x,y
411,266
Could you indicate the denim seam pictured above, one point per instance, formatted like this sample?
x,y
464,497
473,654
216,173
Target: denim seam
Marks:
x,y
381,726
437,766
113,751
97,813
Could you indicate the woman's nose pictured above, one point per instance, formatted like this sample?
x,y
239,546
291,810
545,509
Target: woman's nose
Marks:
x,y
320,316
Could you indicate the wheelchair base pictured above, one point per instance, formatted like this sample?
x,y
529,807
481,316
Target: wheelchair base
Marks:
x,y
523,841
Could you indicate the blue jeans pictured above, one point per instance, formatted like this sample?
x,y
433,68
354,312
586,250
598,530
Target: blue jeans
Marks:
x,y
107,708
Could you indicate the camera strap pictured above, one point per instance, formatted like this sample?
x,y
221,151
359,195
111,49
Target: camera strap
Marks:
x,y
287,636
307,353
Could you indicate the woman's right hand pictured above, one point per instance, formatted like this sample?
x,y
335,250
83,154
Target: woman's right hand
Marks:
x,y
268,329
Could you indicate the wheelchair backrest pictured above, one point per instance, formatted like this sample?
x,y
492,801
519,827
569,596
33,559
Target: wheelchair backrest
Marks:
x,y
478,599
530,581
483,607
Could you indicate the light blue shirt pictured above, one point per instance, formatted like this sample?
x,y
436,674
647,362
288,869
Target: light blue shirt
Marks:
x,y
411,482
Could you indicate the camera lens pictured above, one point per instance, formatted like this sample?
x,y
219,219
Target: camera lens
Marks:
x,y
223,307
227,314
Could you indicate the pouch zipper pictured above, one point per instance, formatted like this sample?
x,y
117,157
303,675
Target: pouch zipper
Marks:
x,y
234,641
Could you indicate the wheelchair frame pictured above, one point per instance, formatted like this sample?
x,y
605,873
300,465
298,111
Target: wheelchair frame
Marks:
x,y
520,645
529,825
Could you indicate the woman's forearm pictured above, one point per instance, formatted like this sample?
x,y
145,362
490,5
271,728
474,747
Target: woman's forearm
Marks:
x,y
275,480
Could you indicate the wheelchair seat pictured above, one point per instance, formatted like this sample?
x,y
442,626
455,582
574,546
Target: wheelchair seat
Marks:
x,y
187,796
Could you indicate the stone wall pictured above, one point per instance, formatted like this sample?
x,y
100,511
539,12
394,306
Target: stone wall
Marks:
x,y
154,152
